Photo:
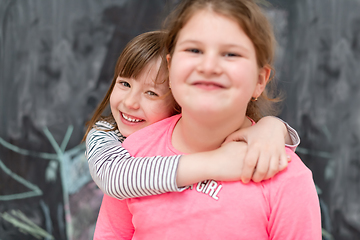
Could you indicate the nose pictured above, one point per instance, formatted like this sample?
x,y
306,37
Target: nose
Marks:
x,y
210,64
132,100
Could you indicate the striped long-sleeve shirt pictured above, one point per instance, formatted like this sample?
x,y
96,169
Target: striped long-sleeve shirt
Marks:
x,y
122,176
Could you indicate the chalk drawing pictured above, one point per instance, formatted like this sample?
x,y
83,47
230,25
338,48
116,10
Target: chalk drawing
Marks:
x,y
35,190
27,152
48,223
72,161
25,225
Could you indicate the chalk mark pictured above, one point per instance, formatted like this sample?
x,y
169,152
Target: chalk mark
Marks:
x,y
61,156
316,153
25,225
36,191
48,156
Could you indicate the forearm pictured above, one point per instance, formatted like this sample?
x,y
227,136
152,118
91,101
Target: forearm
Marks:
x,y
193,168
222,164
122,176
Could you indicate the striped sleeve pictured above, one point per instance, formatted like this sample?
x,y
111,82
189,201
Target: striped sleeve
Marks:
x,y
122,176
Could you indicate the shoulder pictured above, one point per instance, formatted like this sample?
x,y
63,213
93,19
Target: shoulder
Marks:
x,y
297,174
292,196
153,130
152,137
296,165
293,185
104,129
103,125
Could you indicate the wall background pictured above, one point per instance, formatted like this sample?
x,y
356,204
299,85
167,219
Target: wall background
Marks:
x,y
57,60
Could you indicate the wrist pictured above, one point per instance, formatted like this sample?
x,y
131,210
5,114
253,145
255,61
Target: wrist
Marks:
x,y
193,168
283,126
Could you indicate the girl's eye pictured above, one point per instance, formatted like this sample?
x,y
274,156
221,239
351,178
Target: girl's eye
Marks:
x,y
193,50
231,55
152,94
125,84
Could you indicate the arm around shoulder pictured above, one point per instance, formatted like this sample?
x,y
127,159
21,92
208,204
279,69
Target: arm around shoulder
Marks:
x,y
122,176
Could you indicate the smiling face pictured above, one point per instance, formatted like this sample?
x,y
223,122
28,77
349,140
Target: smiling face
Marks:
x,y
213,69
137,103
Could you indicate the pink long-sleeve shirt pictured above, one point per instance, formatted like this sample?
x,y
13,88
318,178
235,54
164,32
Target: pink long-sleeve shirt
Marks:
x,y
284,207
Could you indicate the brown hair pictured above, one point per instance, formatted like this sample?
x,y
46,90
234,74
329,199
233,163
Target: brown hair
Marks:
x,y
139,52
252,20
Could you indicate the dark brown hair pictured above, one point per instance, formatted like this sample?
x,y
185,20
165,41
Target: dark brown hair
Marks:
x,y
139,52
252,20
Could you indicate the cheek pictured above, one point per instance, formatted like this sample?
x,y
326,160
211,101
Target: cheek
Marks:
x,y
163,109
244,77
180,67
112,99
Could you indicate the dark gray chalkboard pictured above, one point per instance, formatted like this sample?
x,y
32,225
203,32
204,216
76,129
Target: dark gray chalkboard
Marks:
x,y
321,74
57,59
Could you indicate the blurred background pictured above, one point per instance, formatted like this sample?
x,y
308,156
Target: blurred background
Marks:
x,y
57,60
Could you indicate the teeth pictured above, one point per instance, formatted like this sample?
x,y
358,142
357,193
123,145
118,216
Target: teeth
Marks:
x,y
130,119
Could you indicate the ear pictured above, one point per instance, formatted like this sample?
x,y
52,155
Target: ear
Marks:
x,y
263,79
168,59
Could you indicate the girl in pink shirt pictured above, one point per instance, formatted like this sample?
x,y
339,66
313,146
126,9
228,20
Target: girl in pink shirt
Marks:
x,y
220,55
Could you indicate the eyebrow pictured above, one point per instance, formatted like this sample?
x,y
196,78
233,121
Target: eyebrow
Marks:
x,y
188,41
228,45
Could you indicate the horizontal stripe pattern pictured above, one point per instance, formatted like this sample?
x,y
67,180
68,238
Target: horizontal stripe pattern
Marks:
x,y
122,176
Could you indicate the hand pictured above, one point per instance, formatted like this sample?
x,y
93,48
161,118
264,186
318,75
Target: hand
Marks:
x,y
265,154
227,162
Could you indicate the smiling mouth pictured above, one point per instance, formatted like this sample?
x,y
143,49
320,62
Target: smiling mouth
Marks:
x,y
208,85
131,119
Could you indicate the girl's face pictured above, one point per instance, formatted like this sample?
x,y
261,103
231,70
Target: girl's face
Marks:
x,y
137,103
213,69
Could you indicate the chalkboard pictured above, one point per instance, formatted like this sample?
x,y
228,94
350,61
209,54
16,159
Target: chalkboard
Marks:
x,y
321,75
57,60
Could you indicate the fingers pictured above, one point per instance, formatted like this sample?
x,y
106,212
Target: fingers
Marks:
x,y
284,159
273,167
250,163
262,163
267,167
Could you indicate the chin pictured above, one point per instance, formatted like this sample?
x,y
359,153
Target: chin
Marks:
x,y
210,109
126,133
205,113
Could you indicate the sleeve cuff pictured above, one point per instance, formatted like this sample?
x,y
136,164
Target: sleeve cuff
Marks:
x,y
174,187
295,139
